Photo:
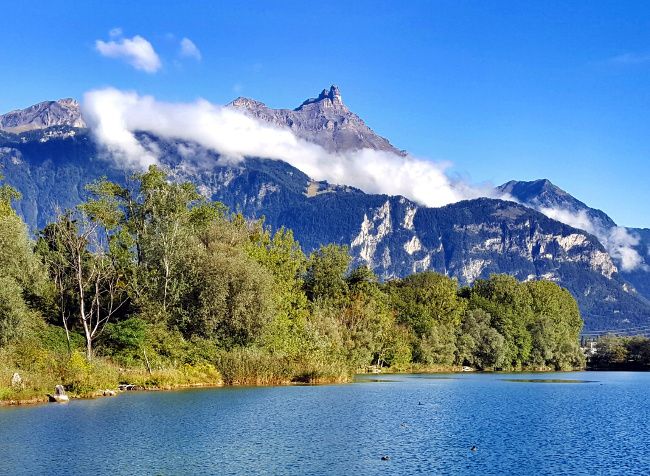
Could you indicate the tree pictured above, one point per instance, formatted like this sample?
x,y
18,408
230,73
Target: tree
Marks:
x,y
91,288
326,271
555,326
638,348
23,281
611,351
282,257
233,295
152,228
509,303
479,344
366,319
429,305
7,195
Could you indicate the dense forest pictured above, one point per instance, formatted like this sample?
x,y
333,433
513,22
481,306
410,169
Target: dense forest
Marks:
x,y
151,284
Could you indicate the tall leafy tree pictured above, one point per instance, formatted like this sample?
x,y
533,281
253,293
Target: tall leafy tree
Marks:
x,y
510,305
326,271
429,305
90,285
280,254
555,327
23,283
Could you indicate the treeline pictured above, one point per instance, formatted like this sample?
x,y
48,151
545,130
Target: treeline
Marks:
x,y
620,353
150,278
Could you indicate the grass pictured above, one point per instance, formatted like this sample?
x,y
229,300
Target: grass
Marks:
x,y
254,366
42,368
44,362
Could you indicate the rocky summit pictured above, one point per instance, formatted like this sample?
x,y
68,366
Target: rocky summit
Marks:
x,y
324,120
64,112
46,152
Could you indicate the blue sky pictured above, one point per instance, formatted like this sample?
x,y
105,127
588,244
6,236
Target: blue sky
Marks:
x,y
504,90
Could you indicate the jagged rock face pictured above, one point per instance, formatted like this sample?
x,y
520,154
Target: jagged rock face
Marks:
x,y
64,112
324,120
474,239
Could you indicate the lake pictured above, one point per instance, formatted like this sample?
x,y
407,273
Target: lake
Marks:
x,y
560,423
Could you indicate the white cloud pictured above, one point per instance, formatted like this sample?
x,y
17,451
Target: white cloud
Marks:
x,y
619,242
136,51
115,115
115,32
190,50
104,114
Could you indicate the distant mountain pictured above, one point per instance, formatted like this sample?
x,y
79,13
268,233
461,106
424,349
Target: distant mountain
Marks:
x,y
543,195
64,112
392,234
324,120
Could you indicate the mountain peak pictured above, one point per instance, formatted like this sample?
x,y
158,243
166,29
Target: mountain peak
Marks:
x,y
327,98
64,112
543,193
526,191
245,103
323,120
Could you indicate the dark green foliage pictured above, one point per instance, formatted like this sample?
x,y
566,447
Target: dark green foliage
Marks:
x,y
23,282
428,304
479,344
538,321
509,304
326,269
126,337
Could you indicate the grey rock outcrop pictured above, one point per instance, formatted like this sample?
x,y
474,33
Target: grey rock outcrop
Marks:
x,y
16,381
542,194
59,395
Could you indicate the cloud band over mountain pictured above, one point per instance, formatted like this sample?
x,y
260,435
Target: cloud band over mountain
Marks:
x,y
115,116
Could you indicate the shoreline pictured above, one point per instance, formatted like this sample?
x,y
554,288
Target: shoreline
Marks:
x,y
101,393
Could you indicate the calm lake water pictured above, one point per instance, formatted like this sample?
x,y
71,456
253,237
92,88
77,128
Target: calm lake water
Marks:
x,y
565,423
